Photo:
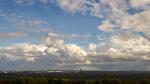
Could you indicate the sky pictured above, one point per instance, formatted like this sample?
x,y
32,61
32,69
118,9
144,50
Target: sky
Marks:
x,y
107,35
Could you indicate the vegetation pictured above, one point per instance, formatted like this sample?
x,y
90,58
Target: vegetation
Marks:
x,y
75,78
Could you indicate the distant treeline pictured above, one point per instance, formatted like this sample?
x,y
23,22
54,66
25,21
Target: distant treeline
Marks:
x,y
29,80
75,78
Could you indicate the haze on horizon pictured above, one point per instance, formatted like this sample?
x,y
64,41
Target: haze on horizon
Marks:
x,y
73,34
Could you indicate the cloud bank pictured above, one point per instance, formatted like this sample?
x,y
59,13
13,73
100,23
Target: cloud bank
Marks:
x,y
55,52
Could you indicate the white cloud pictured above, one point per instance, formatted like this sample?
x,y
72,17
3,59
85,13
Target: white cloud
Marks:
x,y
139,22
115,12
92,46
54,40
56,52
96,7
131,48
120,49
22,52
72,5
106,26
139,3
27,47
71,53
123,21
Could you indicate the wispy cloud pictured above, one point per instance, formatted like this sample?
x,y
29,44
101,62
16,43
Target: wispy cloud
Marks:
x,y
32,2
11,35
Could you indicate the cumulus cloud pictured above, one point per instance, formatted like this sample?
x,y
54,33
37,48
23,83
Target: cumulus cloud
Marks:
x,y
22,52
70,52
115,16
53,52
56,51
131,49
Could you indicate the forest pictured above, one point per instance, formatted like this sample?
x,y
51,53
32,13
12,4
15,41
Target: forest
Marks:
x,y
83,77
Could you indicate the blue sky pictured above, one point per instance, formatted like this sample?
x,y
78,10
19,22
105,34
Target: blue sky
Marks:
x,y
89,34
54,17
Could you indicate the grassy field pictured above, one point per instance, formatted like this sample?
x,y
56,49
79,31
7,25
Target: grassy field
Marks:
x,y
72,77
